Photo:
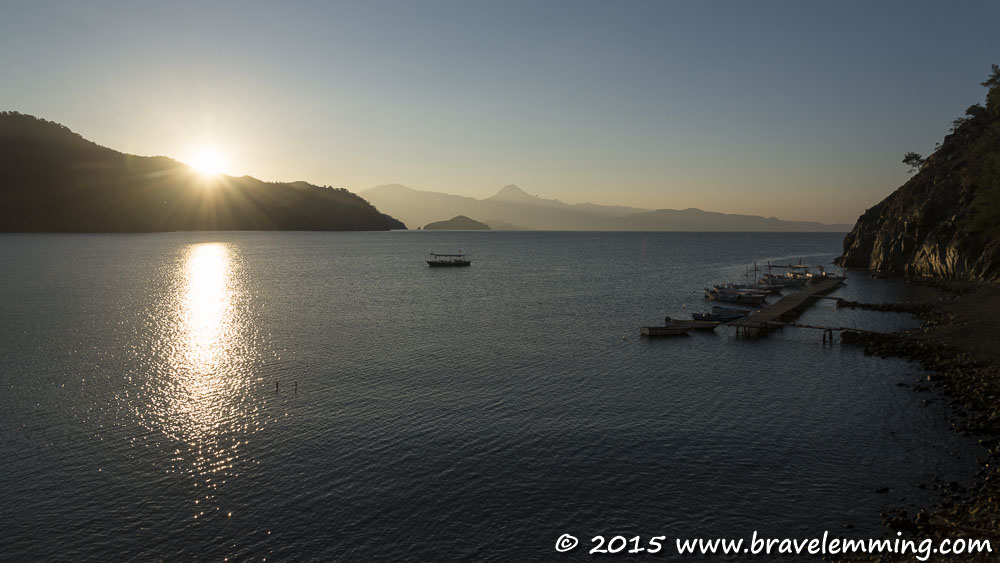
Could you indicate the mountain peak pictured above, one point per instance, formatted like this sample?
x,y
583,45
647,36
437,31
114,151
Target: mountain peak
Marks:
x,y
393,188
511,191
458,223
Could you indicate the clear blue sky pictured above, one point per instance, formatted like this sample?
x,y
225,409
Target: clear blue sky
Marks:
x,y
797,109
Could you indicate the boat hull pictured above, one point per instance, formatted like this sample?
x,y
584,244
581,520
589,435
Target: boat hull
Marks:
x,y
717,317
751,299
656,331
695,324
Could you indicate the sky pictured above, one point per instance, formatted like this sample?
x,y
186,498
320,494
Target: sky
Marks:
x,y
800,109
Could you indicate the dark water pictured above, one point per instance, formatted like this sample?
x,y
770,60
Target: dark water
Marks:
x,y
431,414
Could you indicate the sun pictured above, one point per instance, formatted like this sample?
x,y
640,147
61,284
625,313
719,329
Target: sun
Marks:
x,y
208,162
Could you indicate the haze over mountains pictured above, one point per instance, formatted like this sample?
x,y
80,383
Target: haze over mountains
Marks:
x,y
52,179
512,208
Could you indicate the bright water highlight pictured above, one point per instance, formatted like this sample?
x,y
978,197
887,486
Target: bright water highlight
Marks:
x,y
431,414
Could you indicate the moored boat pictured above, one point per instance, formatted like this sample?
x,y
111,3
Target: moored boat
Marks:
x,y
671,330
735,296
783,281
718,317
768,288
448,260
722,314
694,323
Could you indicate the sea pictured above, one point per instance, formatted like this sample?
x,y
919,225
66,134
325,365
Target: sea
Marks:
x,y
299,396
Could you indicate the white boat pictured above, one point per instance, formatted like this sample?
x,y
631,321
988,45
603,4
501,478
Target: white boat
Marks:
x,y
768,288
782,281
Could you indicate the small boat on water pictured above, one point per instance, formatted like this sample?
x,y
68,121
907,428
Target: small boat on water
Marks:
x,y
735,295
448,260
694,324
762,287
783,281
803,274
737,292
717,317
669,330
721,314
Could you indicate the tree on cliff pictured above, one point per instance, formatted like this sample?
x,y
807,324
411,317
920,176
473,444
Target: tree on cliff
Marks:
x,y
984,169
980,128
945,220
994,78
913,160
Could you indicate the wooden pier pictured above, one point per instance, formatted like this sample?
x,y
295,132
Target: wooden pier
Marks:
x,y
785,309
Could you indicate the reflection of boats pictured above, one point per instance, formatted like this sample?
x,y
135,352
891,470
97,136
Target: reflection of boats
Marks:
x,y
694,324
673,329
448,260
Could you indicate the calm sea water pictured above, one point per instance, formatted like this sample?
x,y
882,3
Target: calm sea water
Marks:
x,y
431,414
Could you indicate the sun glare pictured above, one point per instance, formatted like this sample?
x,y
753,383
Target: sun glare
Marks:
x,y
208,162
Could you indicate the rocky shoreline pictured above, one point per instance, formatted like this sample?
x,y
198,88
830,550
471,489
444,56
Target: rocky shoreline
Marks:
x,y
957,344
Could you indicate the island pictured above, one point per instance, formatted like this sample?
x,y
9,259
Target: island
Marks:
x,y
457,223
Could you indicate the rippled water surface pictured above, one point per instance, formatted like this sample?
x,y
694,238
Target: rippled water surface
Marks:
x,y
327,396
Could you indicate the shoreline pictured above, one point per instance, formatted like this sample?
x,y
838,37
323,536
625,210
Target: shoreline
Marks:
x,y
956,343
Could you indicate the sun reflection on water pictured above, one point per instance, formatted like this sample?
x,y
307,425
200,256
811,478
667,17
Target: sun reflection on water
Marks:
x,y
203,347
199,390
207,315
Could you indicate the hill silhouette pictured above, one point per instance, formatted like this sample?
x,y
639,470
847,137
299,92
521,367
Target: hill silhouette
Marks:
x,y
54,180
457,223
513,206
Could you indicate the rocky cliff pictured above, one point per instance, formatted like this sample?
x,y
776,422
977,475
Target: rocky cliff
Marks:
x,y
945,221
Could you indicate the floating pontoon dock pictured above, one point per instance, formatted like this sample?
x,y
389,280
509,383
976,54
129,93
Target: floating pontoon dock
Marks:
x,y
785,309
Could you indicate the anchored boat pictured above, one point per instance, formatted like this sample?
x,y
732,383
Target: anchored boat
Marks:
x,y
721,314
747,296
448,260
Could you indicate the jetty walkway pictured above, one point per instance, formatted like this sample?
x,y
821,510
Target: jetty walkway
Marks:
x,y
775,315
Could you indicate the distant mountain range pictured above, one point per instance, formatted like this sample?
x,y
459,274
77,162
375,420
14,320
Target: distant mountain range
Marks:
x,y
52,179
513,208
